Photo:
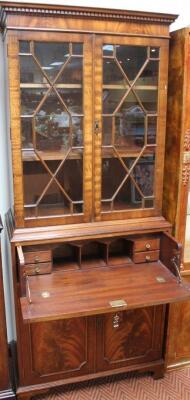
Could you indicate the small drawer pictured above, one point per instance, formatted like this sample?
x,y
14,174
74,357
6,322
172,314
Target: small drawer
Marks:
x,y
147,256
38,269
35,257
146,244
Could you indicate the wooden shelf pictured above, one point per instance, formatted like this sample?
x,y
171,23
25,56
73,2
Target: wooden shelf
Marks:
x,y
29,155
86,292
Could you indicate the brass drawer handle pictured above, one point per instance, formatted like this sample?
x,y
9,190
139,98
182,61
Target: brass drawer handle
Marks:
x,y
147,258
36,260
37,270
148,246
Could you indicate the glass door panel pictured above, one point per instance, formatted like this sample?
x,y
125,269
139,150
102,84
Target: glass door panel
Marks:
x,y
52,124
129,113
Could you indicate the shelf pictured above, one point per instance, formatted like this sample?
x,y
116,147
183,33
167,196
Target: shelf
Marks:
x,y
86,292
29,155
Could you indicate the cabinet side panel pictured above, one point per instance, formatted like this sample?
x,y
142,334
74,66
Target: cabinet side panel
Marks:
x,y
174,126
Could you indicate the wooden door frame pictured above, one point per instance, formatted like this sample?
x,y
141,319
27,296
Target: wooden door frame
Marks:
x,y
162,86
14,83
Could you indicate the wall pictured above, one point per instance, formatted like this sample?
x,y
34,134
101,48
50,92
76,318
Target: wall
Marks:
x,y
174,7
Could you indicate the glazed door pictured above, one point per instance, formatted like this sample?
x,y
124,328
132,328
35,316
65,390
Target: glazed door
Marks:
x,y
129,337
130,111
51,95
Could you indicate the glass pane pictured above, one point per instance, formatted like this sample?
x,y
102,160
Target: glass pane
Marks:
x,y
72,99
77,130
151,131
108,50
149,99
154,52
149,203
24,46
107,131
128,197
112,175
77,48
30,99
30,72
149,75
111,99
52,125
26,129
131,59
112,74
130,127
35,177
187,233
70,176
51,57
143,173
72,73
54,202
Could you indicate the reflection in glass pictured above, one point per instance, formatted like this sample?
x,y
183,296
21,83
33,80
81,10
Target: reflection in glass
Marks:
x,y
54,202
77,131
130,127
26,129
143,173
72,72
111,99
112,74
72,99
151,130
52,124
108,50
154,52
30,72
131,59
149,99
30,99
51,56
149,75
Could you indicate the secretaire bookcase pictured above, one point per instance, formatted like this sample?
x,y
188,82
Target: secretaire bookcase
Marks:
x,y
94,262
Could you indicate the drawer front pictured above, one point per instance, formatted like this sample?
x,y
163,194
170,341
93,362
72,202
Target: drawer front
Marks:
x,y
147,244
38,268
32,257
146,256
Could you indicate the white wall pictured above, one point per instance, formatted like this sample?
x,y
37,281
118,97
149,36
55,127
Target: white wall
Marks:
x,y
172,6
5,194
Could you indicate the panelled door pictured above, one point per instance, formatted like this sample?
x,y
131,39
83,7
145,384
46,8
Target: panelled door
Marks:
x,y
130,110
91,113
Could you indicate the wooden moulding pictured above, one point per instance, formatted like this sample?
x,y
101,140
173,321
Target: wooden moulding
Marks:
x,y
15,8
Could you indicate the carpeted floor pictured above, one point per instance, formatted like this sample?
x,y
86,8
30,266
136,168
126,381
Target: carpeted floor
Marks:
x,y
174,386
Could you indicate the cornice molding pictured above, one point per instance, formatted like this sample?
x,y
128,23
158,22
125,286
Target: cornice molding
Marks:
x,y
82,12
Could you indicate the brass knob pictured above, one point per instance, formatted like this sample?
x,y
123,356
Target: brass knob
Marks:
x,y
116,321
36,260
37,270
147,258
147,246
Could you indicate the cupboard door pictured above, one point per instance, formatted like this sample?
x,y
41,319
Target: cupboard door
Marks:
x,y
130,337
52,124
60,349
130,110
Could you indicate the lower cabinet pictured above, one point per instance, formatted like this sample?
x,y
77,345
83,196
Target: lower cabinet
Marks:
x,y
74,347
